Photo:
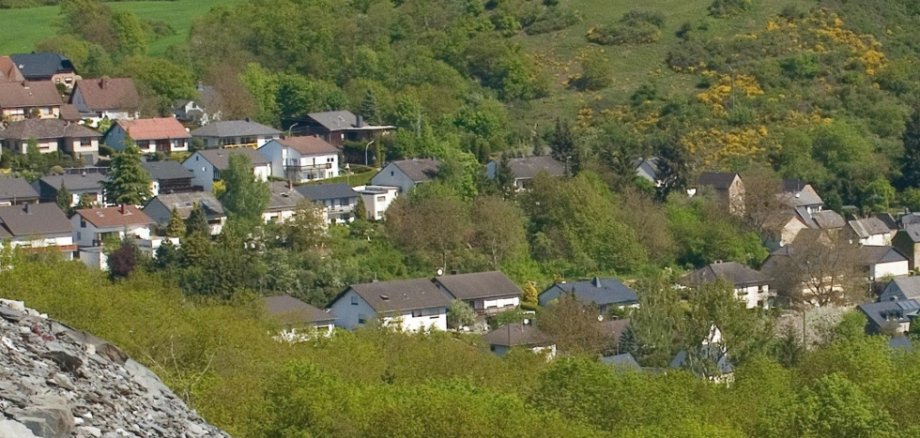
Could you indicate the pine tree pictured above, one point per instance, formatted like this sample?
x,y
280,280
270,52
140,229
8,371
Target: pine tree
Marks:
x,y
176,227
369,107
910,167
197,222
562,145
64,198
128,182
504,178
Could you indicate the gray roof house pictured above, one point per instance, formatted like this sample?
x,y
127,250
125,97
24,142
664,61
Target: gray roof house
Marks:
x,y
15,191
882,261
605,293
647,169
283,202
751,286
235,133
622,361
89,183
907,241
411,305
337,127
37,226
406,174
338,201
42,66
890,316
797,193
526,168
168,176
871,231
296,316
901,288
520,335
485,292
160,208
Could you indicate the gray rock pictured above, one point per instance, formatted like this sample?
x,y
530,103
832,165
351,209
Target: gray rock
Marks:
x,y
14,429
89,431
68,362
47,416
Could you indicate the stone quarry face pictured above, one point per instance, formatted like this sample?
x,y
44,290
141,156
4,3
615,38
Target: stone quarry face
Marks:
x,y
59,382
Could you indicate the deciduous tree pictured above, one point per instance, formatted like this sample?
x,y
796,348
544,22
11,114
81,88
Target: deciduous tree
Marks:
x,y
246,197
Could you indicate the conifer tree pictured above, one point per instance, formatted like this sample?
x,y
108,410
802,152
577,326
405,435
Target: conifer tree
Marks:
x,y
176,227
562,145
64,198
369,107
128,182
197,222
504,178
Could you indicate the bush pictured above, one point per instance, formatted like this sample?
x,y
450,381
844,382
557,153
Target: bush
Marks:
x,y
551,20
635,27
596,73
726,8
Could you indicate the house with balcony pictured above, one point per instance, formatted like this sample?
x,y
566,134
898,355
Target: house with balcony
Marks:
x,y
338,127
377,200
106,98
409,305
485,292
751,287
160,208
302,159
29,100
161,134
206,165
46,66
168,176
92,227
235,133
337,201
80,183
37,227
16,191
50,136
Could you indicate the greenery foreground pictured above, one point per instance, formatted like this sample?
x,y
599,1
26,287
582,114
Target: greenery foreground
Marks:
x,y
219,356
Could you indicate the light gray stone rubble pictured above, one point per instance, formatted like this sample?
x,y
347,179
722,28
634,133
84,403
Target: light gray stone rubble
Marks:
x,y
56,381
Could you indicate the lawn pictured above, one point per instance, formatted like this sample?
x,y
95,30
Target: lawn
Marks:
x,y
23,28
357,176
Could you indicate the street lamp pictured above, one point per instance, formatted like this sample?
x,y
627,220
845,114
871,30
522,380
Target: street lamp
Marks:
x,y
291,128
365,152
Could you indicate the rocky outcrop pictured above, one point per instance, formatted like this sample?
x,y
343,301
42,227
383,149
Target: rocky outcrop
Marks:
x,y
56,381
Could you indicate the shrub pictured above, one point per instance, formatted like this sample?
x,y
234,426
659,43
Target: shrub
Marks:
x,y
726,8
635,27
596,73
551,20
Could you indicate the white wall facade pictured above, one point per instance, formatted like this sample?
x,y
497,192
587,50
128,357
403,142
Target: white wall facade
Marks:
x,y
419,320
202,171
891,269
877,240
352,312
392,176
86,234
253,141
755,296
60,241
278,216
377,200
312,167
497,304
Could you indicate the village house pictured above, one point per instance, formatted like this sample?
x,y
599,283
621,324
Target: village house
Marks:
x,y
890,317
9,72
301,159
162,134
799,194
37,227
160,208
299,320
751,287
727,188
29,100
16,191
235,133
907,240
206,165
608,294
520,335
93,226
50,136
647,169
46,66
89,184
283,202
410,305
338,201
106,98
202,110
710,361
882,262
406,174
781,228
901,288
622,362
525,169
870,231
168,176
338,127
377,200
485,292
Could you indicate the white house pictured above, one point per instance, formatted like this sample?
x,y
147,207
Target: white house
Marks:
x,y
92,226
36,227
235,133
520,335
871,231
338,201
160,208
302,159
160,134
751,287
377,199
299,320
485,292
883,261
106,98
89,184
283,202
206,165
409,305
406,174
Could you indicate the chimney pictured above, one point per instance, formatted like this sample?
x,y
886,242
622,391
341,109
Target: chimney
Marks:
x,y
359,121
121,208
596,282
28,208
103,82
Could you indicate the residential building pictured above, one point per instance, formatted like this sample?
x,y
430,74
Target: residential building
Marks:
x,y
751,287
338,201
822,219
377,200
406,174
283,202
485,292
106,98
206,165
907,240
901,288
607,294
50,136
46,66
88,183
647,169
299,320
160,208
799,194
890,317
36,227
29,100
410,305
525,169
202,110
727,188
338,127
9,72
161,134
519,336
782,228
235,133
168,176
93,226
870,231
16,191
301,159
882,262
622,362
712,360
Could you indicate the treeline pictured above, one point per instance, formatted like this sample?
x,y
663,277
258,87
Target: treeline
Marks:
x,y
381,383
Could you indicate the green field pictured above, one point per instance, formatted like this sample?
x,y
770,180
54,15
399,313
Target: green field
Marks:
x,y
23,28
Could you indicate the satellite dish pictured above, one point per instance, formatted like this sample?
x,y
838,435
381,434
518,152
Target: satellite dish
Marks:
x,y
439,272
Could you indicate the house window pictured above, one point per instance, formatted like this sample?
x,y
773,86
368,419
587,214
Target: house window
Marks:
x,y
492,348
362,319
82,223
417,314
86,142
79,236
354,300
381,198
392,173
